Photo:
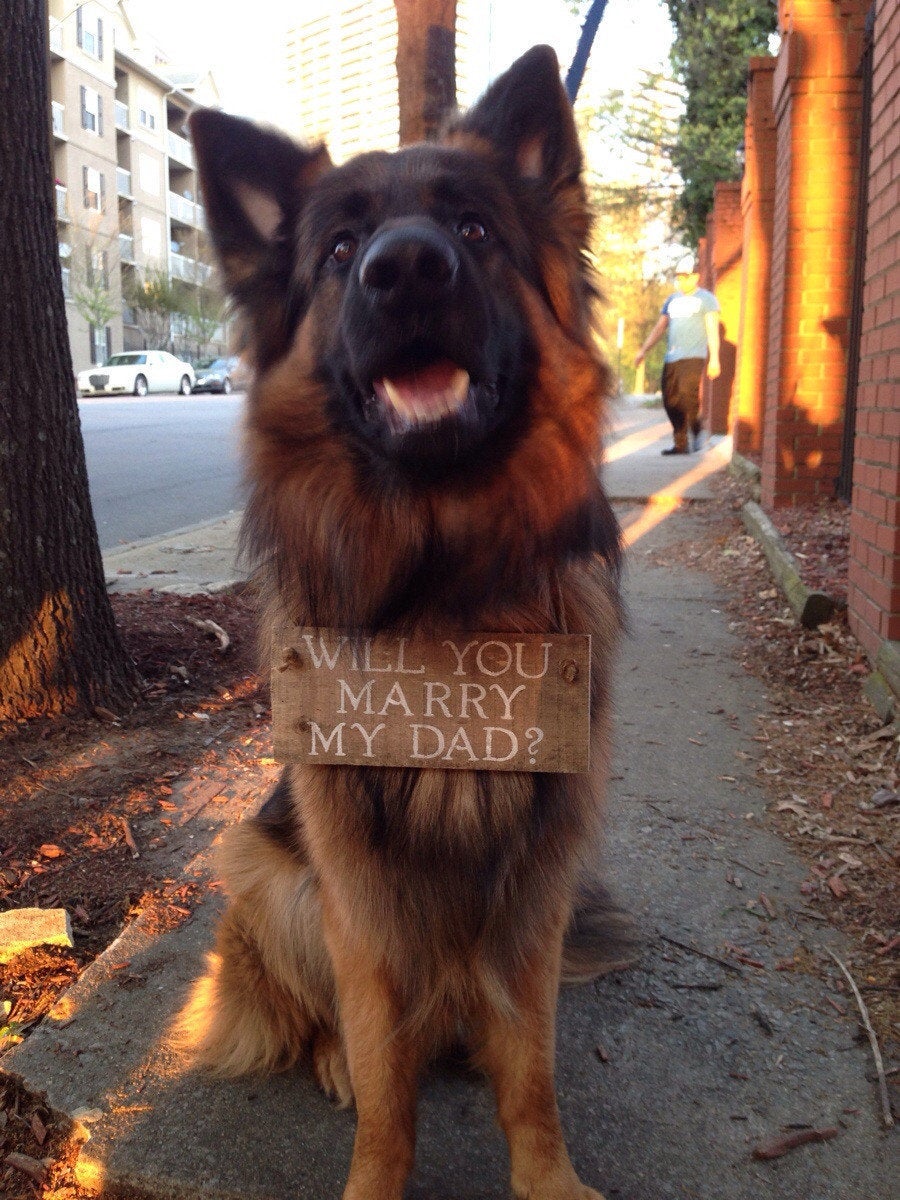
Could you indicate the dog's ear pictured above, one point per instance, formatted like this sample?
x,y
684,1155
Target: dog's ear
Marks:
x,y
254,181
525,118
526,115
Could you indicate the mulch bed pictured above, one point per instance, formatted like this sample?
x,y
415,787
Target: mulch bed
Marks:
x,y
76,790
78,796
819,538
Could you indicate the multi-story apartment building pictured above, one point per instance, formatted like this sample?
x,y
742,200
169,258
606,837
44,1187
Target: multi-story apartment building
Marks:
x,y
341,75
126,186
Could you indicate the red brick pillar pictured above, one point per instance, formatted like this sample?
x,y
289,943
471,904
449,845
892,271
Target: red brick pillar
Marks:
x,y
704,263
874,597
757,199
817,99
723,246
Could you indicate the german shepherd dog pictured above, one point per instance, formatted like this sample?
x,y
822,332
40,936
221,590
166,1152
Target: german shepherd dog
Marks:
x,y
422,441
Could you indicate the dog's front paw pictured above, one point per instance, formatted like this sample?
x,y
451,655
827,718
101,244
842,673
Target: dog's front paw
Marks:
x,y
330,1068
567,1187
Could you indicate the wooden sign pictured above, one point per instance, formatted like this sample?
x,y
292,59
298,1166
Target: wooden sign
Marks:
x,y
478,701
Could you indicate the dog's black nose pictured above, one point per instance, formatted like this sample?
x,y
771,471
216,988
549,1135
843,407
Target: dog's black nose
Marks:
x,y
408,264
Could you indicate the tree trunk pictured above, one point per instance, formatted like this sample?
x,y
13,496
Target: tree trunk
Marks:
x,y
59,647
426,67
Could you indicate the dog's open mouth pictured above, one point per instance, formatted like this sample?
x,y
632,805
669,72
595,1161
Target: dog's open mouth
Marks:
x,y
424,395
428,406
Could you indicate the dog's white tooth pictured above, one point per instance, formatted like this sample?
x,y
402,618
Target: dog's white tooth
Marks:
x,y
459,385
393,395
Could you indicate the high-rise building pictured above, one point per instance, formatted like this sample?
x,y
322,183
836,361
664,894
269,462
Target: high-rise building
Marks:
x,y
126,185
341,74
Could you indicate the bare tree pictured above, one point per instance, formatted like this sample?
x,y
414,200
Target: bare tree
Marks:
x,y
93,258
201,311
59,647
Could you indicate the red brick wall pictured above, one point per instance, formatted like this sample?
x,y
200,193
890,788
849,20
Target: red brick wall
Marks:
x,y
874,598
816,100
724,232
757,202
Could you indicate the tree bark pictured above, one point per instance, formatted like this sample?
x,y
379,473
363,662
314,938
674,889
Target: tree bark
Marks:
x,y
426,67
59,647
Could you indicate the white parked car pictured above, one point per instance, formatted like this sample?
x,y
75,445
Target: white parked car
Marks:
x,y
136,373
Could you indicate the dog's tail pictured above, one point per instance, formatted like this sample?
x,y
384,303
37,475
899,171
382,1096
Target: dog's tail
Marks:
x,y
601,937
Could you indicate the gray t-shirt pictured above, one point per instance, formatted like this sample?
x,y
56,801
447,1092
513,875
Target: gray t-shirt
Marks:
x,y
687,323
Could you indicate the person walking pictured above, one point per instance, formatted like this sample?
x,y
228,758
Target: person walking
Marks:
x,y
690,320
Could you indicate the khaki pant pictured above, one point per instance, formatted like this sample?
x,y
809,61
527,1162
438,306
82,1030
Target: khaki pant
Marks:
x,y
681,397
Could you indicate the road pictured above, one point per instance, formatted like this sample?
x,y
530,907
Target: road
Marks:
x,y
160,463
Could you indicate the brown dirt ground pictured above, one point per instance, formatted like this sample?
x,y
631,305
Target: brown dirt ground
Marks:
x,y
75,790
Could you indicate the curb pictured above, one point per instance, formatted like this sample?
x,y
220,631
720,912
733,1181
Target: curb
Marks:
x,y
746,469
198,559
882,688
810,608
142,543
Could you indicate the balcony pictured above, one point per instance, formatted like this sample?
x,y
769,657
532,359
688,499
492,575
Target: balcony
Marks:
x,y
180,149
188,269
181,209
59,119
62,202
66,274
122,116
126,248
188,212
56,38
123,183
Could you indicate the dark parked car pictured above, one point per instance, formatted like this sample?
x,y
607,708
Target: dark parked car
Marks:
x,y
216,375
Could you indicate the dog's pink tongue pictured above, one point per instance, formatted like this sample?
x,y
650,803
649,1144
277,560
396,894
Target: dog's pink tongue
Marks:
x,y
426,394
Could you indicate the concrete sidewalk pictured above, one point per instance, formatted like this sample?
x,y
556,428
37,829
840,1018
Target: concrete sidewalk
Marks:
x,y
668,1074
200,558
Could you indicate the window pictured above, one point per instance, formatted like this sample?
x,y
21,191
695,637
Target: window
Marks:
x,y
93,188
148,109
89,30
92,110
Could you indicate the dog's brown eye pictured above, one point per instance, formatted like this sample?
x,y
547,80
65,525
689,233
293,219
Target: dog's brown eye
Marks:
x,y
344,248
471,230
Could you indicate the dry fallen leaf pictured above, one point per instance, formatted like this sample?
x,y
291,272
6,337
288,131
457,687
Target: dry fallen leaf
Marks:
x,y
883,797
32,1167
783,1145
838,888
39,1129
104,714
